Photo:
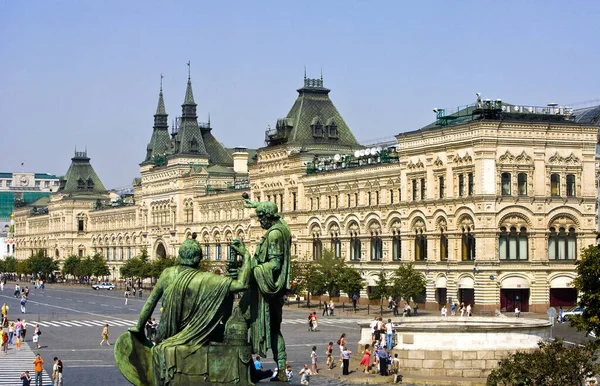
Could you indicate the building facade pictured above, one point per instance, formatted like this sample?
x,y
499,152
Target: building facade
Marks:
x,y
490,202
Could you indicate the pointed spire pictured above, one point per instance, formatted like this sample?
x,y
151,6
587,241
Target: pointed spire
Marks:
x,y
304,72
189,95
160,108
208,119
321,74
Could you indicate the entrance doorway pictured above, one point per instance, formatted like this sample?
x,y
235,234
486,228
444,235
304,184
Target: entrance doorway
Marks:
x,y
441,296
563,297
511,298
160,251
466,295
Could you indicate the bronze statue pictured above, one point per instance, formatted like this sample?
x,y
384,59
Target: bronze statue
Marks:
x,y
262,304
187,351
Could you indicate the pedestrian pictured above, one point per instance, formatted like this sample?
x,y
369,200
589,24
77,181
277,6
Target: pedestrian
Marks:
x,y
57,370
453,309
329,355
341,343
11,332
325,309
395,307
126,295
396,367
105,335
469,310
517,312
313,358
38,368
346,360
134,291
289,373
24,330
366,358
310,322
36,336
331,307
23,303
18,343
416,309
315,321
2,285
17,291
4,310
140,292
389,333
26,378
462,309
26,291
306,374
4,340
561,319
444,310
18,328
383,361
354,300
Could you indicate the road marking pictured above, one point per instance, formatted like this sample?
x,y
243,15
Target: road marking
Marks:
x,y
58,298
12,366
104,305
80,301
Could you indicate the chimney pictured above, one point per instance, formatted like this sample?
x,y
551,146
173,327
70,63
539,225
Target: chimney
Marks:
x,y
240,160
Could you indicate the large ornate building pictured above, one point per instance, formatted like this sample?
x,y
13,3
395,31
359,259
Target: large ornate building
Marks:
x,y
493,202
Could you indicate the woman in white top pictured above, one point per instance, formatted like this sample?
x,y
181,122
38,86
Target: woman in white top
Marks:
x,y
468,309
444,310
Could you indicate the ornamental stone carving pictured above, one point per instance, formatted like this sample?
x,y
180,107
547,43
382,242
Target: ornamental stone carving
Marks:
x,y
557,159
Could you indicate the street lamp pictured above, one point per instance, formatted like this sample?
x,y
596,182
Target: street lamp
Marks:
x,y
113,269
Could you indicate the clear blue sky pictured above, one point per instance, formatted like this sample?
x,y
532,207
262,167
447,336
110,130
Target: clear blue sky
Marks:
x,y
86,73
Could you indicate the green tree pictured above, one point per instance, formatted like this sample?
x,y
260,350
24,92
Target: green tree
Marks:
x,y
85,267
382,289
23,267
350,281
99,266
42,265
324,274
299,274
159,265
553,364
136,268
587,284
70,265
9,265
407,282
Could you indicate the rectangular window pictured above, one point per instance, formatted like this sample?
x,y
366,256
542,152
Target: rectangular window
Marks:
x,y
329,200
522,182
355,200
555,185
461,185
441,186
414,190
423,189
377,198
294,201
505,177
391,196
470,182
128,253
80,225
121,253
369,199
348,200
570,185
218,252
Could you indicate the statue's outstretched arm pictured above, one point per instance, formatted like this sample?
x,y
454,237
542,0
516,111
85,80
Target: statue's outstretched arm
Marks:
x,y
152,301
243,278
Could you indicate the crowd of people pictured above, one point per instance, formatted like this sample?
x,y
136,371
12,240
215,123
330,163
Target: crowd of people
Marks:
x,y
462,309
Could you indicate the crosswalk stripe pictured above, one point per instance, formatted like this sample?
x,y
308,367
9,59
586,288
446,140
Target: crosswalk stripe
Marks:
x,y
16,362
42,324
118,323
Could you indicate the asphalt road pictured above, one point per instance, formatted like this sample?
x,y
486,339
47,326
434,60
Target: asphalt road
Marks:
x,y
71,320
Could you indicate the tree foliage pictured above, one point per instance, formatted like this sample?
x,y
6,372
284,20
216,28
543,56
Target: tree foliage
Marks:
x,y
407,282
299,274
329,275
99,266
553,364
587,284
382,288
70,266
9,265
159,265
40,264
350,281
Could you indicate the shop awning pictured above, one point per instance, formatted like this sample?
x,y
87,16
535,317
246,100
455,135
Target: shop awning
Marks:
x,y
440,282
561,282
466,282
515,282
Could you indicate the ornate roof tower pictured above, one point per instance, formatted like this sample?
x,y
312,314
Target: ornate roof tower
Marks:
x,y
189,137
160,142
81,178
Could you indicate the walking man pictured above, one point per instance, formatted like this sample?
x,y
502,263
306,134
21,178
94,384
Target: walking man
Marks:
x,y
354,299
23,303
38,368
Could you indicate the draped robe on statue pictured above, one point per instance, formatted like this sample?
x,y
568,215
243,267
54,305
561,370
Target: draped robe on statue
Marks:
x,y
267,289
193,306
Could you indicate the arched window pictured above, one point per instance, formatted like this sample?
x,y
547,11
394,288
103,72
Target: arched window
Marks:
x,y
317,248
506,191
336,247
570,185
522,184
468,245
122,254
396,246
443,246
376,247
555,185
207,251
562,245
354,247
420,246
513,244
218,251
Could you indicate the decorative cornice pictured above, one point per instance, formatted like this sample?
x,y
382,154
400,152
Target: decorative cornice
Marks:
x,y
557,159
